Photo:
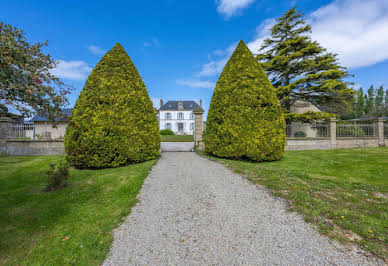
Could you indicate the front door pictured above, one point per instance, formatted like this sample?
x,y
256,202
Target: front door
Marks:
x,y
180,127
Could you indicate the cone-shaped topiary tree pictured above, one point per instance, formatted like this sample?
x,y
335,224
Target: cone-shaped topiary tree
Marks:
x,y
113,121
245,120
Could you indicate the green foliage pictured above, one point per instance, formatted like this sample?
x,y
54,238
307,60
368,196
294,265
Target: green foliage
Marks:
x,y
300,134
245,120
57,176
372,104
166,132
303,70
369,101
113,122
26,81
308,116
360,104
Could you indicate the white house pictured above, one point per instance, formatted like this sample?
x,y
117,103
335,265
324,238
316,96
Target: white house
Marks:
x,y
178,116
44,129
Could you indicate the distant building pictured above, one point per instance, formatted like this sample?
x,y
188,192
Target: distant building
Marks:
x,y
178,116
45,129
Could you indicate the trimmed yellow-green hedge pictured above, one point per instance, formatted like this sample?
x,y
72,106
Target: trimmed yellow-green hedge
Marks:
x,y
113,122
245,120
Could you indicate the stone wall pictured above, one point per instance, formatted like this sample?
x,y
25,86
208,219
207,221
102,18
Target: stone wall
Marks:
x,y
295,144
35,147
325,143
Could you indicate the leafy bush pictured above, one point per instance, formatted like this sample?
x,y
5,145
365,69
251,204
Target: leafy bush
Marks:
x,y
166,132
245,119
299,134
113,122
57,176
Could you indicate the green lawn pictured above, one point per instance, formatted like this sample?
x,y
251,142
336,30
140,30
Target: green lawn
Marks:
x,y
344,192
70,226
177,138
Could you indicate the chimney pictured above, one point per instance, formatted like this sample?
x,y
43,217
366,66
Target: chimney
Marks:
x,y
200,103
161,103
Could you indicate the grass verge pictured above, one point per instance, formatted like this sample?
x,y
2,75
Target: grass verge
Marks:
x,y
70,226
344,192
177,138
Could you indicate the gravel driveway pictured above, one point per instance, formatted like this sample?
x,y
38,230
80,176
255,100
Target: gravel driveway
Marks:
x,y
195,211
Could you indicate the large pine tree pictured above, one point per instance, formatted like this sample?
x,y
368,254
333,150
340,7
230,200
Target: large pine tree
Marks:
x,y
300,69
113,121
245,119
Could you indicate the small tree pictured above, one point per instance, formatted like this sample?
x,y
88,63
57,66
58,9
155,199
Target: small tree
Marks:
x,y
300,69
379,101
113,121
369,101
245,119
359,104
26,83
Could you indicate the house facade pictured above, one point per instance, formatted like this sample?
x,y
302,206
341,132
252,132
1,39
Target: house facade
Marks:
x,y
178,116
43,129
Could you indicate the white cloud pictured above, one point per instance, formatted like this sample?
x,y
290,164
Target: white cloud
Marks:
x,y
154,42
195,83
262,32
96,50
229,8
71,70
212,68
356,30
215,66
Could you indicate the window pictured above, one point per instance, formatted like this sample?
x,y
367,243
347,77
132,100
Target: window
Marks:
x,y
180,116
168,126
192,126
192,116
167,116
180,105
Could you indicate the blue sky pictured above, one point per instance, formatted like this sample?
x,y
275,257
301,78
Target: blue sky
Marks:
x,y
180,47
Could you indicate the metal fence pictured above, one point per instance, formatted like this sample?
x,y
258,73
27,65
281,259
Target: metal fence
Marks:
x,y
356,129
303,130
23,131
37,131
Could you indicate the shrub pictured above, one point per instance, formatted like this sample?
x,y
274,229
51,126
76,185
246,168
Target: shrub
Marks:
x,y
113,122
57,176
245,119
299,134
166,132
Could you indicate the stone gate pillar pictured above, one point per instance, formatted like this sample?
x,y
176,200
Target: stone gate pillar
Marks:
x,y
333,132
198,129
380,131
5,133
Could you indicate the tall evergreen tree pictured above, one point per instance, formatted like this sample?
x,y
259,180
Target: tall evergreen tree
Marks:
x,y
360,104
113,121
369,101
300,69
245,119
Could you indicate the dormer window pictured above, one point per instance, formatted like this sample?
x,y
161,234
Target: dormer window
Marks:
x,y
180,105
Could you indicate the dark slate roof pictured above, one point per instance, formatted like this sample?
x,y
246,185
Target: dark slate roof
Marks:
x,y
38,118
173,106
